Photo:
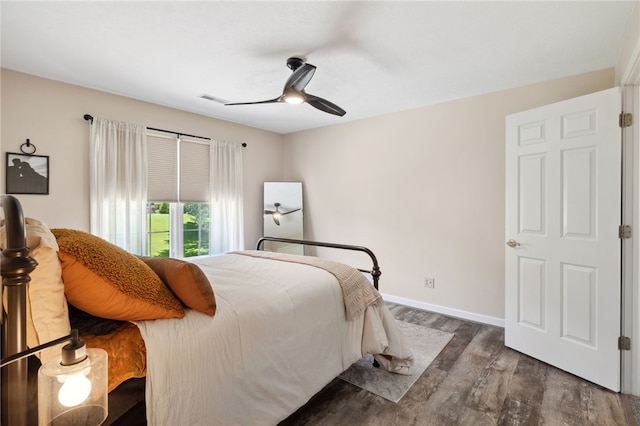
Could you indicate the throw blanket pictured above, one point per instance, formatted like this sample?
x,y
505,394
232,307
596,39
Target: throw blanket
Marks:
x,y
357,291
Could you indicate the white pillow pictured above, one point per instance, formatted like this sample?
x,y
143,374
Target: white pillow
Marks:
x,y
47,310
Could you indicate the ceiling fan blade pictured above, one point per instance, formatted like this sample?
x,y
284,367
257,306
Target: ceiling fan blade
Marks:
x,y
270,101
276,220
290,211
269,212
324,105
294,93
300,78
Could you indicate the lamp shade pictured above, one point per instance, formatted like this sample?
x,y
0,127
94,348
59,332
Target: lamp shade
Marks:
x,y
73,394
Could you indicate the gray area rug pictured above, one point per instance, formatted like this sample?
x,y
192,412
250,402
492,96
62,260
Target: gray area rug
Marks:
x,y
634,401
426,344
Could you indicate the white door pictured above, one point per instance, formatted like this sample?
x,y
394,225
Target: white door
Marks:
x,y
562,261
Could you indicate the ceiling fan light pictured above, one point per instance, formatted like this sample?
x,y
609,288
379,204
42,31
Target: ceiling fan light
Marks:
x,y
293,98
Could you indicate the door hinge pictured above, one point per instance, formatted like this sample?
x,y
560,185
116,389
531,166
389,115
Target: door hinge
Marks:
x,y
624,232
624,343
626,119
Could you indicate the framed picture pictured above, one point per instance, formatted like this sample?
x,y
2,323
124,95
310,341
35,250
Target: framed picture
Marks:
x,y
27,174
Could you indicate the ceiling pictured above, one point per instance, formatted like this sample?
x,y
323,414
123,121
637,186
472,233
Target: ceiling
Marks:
x,y
372,58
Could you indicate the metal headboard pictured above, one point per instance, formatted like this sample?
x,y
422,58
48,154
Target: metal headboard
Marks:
x,y
16,265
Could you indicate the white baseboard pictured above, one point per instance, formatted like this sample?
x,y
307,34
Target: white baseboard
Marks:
x,y
484,319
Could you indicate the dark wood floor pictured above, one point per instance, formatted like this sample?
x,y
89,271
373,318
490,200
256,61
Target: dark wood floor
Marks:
x,y
475,380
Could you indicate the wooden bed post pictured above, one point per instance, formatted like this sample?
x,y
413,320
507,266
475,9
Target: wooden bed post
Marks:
x,y
16,266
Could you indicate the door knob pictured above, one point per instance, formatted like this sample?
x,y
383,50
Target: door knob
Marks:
x,y
513,243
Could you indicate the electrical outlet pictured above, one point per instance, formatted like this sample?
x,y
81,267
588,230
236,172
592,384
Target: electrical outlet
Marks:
x,y
429,282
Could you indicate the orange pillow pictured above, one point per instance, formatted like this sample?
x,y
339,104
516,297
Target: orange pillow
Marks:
x,y
126,351
106,281
186,280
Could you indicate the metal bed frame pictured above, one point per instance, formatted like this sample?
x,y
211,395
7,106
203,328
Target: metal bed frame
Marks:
x,y
16,267
375,269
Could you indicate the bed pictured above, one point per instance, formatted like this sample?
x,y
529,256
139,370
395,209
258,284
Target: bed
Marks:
x,y
255,336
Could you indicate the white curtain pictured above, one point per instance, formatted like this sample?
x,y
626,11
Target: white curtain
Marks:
x,y
227,227
118,183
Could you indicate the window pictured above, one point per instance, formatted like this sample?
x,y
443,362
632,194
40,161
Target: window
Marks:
x,y
191,236
178,194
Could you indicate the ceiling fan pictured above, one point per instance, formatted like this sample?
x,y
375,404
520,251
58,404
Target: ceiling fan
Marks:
x,y
277,214
293,92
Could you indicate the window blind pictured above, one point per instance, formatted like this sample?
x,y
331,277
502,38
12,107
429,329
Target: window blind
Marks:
x,y
178,170
194,172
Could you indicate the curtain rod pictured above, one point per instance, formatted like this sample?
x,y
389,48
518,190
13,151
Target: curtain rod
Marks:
x,y
90,118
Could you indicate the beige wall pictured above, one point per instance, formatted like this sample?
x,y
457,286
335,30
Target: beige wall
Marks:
x,y
627,68
50,114
424,189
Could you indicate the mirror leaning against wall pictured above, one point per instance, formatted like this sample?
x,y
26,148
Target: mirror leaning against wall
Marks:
x,y
283,215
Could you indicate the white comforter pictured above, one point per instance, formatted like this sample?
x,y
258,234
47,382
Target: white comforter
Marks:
x,y
278,337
